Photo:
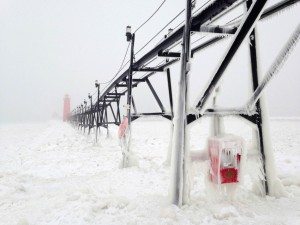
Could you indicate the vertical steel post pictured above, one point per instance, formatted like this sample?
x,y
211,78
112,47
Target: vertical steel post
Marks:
x,y
90,114
80,117
169,154
84,117
129,81
80,113
118,109
97,112
106,117
217,120
179,189
170,92
102,113
255,83
129,102
102,121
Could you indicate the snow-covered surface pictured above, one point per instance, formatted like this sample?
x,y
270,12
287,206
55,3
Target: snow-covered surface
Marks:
x,y
51,173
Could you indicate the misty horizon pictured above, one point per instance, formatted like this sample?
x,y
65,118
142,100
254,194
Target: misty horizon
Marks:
x,y
52,48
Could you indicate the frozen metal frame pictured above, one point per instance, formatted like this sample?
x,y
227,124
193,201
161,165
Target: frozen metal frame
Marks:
x,y
96,115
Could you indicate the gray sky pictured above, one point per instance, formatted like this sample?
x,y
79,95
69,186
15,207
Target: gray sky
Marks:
x,y
52,47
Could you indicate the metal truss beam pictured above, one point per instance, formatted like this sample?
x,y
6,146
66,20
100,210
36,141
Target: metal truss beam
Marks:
x,y
246,27
215,10
267,13
205,15
148,69
169,54
125,85
217,29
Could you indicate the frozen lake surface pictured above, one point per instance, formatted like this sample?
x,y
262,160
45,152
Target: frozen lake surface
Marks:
x,y
51,173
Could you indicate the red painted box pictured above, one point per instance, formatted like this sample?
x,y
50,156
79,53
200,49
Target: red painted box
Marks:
x,y
225,154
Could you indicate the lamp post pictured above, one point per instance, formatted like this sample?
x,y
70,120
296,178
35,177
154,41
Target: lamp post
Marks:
x,y
128,33
126,153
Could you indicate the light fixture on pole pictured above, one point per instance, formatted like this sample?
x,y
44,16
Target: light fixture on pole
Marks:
x,y
97,83
128,33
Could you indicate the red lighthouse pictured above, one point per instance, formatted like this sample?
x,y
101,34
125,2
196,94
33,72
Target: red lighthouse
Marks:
x,y
66,108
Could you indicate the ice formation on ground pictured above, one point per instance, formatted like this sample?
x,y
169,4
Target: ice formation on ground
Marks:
x,y
51,173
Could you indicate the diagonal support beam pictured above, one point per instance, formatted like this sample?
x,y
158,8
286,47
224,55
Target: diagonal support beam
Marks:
x,y
113,113
133,105
278,7
155,95
245,28
277,64
170,92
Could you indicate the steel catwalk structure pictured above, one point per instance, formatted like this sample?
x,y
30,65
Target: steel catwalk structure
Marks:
x,y
96,114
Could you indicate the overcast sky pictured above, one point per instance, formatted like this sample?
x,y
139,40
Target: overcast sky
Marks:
x,y
52,47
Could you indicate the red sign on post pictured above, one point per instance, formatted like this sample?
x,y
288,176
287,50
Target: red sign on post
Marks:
x,y
122,128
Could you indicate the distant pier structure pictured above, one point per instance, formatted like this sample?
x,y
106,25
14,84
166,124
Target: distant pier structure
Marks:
x,y
66,112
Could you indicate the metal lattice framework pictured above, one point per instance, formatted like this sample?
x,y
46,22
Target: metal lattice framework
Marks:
x,y
96,114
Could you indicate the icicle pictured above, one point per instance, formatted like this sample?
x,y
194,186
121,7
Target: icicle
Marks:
x,y
169,153
276,66
282,11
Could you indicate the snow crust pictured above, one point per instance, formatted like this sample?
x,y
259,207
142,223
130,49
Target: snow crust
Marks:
x,y
51,173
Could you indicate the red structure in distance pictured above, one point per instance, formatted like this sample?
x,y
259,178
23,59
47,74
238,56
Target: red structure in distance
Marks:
x,y
67,107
